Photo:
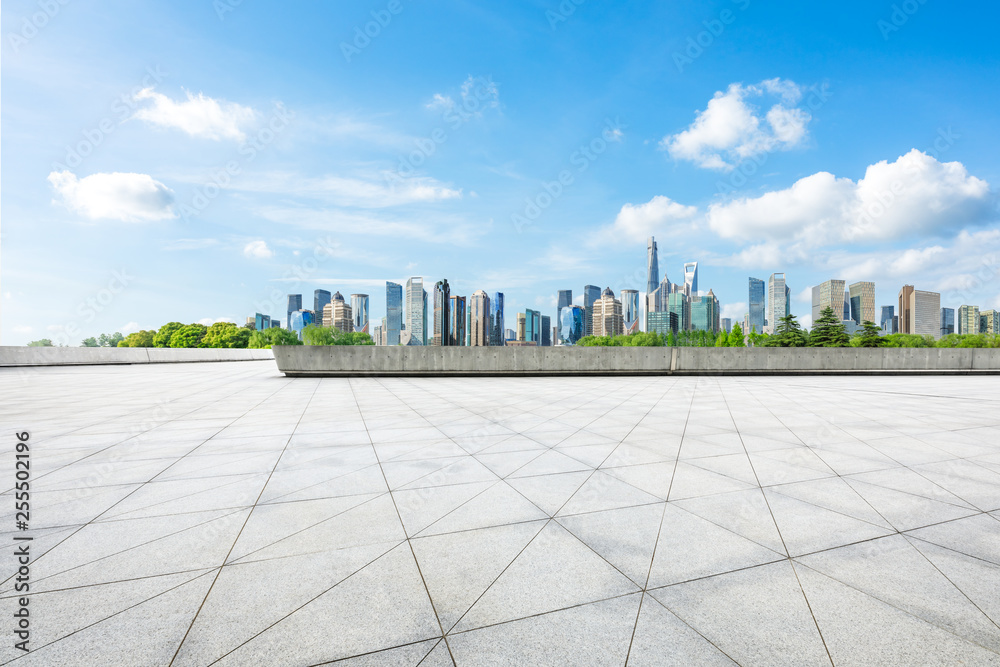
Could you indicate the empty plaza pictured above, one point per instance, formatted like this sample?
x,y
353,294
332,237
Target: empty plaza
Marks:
x,y
224,514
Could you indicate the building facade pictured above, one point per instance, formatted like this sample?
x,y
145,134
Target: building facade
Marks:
x,y
546,331
888,319
416,309
679,304
359,311
338,314
497,332
691,278
652,265
442,318
456,323
294,303
393,313
630,310
828,295
663,323
571,327
968,319
919,312
705,313
947,321
779,302
591,293
989,322
607,316
479,319
862,296
756,318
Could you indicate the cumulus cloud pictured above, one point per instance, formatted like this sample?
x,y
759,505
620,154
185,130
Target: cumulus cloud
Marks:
x,y
129,328
198,115
258,250
914,196
362,189
730,129
116,196
637,222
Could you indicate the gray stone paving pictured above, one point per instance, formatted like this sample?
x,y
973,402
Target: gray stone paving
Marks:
x,y
199,514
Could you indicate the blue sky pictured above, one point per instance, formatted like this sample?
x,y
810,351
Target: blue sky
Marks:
x,y
196,161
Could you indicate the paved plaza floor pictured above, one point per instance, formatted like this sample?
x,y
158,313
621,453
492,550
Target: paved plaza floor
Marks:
x,y
222,514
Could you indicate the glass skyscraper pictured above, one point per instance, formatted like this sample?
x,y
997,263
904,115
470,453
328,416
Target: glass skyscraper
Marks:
x,y
497,336
546,331
705,313
591,293
299,320
442,318
679,304
779,301
662,322
359,311
652,266
393,312
947,321
320,298
630,310
757,302
294,303
691,277
888,320
571,327
862,298
261,322
416,309
456,325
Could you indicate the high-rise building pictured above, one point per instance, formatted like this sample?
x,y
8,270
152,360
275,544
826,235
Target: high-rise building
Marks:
x,y
571,328
532,326
479,319
377,336
905,314
546,331
321,297
968,319
294,303
509,335
862,302
847,306
757,301
679,304
630,310
416,309
828,295
947,321
989,322
779,302
919,312
393,312
887,319
705,313
338,314
497,335
652,265
691,278
456,325
591,293
521,335
607,317
442,318
299,320
726,324
359,311
657,300
663,322
261,322
564,297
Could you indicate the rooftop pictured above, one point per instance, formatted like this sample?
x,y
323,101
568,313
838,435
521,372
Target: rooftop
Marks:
x,y
221,513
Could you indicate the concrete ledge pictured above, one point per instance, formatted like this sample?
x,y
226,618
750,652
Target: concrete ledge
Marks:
x,y
95,356
372,361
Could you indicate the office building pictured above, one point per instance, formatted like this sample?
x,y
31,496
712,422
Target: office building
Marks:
x,y
630,310
299,320
522,328
947,321
294,303
532,326
919,312
663,322
779,302
479,319
862,297
497,333
726,324
546,331
679,304
442,318
416,309
393,312
571,327
757,316
888,318
847,306
321,297
657,300
607,315
261,322
359,312
338,314
691,278
652,265
989,322
456,324
591,293
828,295
968,319
705,313
509,335
377,336
564,297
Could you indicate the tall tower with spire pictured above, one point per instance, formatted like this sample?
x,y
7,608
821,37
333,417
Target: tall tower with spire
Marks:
x,y
652,266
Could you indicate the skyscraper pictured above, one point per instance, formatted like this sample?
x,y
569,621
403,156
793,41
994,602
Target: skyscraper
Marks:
x,y
691,277
862,302
261,322
968,319
571,327
905,314
779,302
359,311
705,313
652,265
847,306
630,310
591,293
299,320
947,321
479,319
393,312
532,326
546,331
294,303
679,305
564,297
989,322
442,318
888,319
757,301
416,309
607,315
497,335
919,312
828,295
521,335
456,324
338,314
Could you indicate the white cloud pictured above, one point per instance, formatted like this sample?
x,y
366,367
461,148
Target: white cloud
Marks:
x,y
914,196
731,130
208,321
364,189
129,328
637,222
258,250
477,93
735,311
198,116
23,329
190,244
441,103
118,196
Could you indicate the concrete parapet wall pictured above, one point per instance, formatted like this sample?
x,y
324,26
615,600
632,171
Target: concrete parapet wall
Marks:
x,y
94,356
433,361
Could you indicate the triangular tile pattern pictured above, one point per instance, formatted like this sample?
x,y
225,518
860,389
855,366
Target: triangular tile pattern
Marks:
x,y
663,640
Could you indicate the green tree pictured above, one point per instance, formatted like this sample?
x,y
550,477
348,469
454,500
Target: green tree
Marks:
x,y
43,342
316,335
274,336
163,336
828,331
671,339
722,340
190,335
789,333
110,340
907,340
138,339
226,335
89,342
736,337
869,335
